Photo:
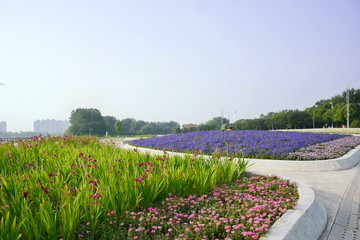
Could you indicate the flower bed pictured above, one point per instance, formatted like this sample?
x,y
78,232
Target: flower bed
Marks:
x,y
247,143
326,150
245,209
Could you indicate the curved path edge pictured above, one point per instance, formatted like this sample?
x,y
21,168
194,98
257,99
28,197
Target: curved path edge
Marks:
x,y
307,221
349,160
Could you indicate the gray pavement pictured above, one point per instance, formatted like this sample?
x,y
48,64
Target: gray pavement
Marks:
x,y
347,221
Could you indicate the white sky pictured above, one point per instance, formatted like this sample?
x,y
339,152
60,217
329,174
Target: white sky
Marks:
x,y
173,60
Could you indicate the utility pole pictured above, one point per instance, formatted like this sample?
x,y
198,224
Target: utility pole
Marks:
x,y
222,114
348,110
332,106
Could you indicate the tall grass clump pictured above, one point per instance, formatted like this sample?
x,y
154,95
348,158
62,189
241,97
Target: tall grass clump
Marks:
x,y
59,187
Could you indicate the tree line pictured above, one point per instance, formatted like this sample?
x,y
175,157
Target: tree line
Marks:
x,y
324,113
330,112
85,121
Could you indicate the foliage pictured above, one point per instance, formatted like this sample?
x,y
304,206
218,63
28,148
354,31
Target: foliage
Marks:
x,y
176,129
355,124
325,113
117,127
131,126
62,187
146,129
213,124
86,121
333,111
110,125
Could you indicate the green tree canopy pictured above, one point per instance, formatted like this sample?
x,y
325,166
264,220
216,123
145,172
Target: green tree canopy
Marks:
x,y
85,121
176,129
117,127
146,129
110,125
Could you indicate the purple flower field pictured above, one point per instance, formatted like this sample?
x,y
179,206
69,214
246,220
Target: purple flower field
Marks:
x,y
247,143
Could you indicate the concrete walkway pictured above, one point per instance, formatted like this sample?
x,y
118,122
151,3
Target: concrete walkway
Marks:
x,y
347,221
336,188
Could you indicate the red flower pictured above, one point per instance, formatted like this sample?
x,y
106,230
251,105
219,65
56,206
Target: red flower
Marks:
x,y
25,194
45,190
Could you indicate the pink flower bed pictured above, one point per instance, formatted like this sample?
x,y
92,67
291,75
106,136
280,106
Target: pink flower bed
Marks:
x,y
243,210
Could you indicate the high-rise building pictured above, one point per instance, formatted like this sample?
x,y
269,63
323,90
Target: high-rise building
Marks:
x,y
3,127
51,126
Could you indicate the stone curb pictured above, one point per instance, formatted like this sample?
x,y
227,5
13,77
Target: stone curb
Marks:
x,y
306,222
349,160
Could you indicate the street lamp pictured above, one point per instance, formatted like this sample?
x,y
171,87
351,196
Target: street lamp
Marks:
x,y
332,106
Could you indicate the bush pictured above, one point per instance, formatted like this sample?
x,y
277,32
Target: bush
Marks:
x,y
355,124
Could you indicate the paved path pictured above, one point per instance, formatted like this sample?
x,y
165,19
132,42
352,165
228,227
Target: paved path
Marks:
x,y
347,221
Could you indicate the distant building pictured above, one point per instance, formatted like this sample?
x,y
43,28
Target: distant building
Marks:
x,y
52,126
3,127
190,125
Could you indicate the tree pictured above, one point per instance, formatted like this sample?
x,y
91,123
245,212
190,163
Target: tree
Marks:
x,y
110,125
117,127
146,129
125,125
176,129
355,124
85,121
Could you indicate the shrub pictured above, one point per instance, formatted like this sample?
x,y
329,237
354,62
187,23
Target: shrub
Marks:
x,y
355,124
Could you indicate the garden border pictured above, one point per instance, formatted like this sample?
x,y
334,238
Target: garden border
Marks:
x,y
349,160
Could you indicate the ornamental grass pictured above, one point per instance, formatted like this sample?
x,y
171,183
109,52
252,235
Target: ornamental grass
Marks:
x,y
56,187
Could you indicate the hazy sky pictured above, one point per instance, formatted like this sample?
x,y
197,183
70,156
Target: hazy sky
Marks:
x,y
173,60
